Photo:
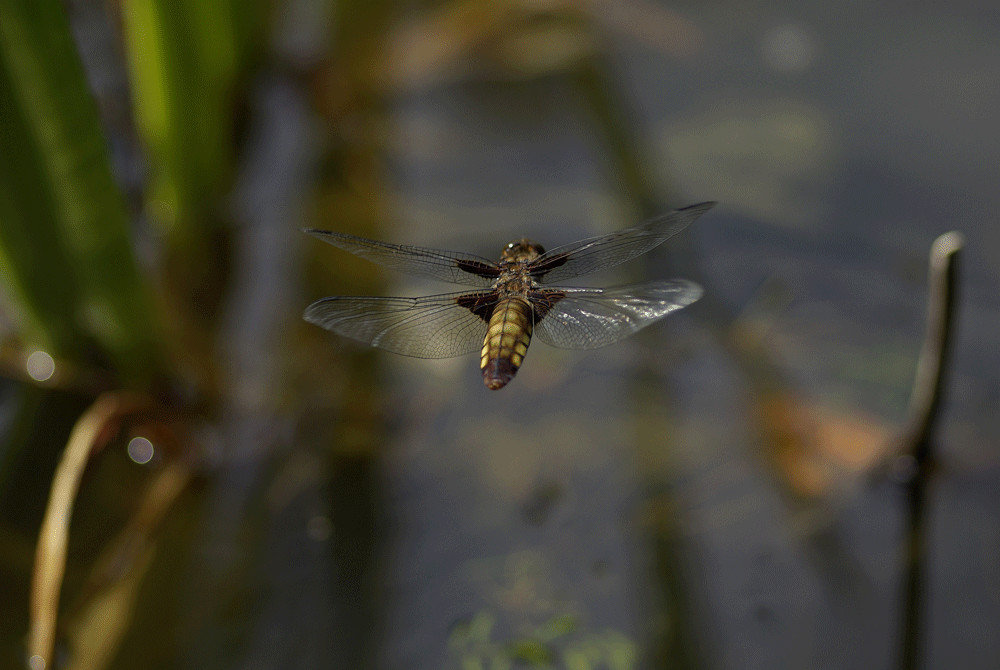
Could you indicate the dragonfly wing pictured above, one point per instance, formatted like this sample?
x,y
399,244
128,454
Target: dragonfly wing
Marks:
x,y
436,326
577,318
607,251
450,266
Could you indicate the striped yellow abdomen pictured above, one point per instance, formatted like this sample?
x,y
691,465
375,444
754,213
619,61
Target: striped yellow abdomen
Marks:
x,y
506,342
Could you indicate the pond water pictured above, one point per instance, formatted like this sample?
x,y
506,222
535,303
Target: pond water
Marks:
x,y
626,507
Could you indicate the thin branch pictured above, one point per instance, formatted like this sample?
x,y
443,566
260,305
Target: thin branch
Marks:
x,y
928,384
916,443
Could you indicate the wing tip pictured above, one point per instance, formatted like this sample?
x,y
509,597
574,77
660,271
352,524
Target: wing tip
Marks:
x,y
682,291
332,236
311,313
695,292
700,208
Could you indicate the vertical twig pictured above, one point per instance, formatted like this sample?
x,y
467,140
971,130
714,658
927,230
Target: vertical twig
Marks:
x,y
917,439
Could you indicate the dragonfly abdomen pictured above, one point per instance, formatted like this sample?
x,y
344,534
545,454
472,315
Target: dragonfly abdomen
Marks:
x,y
506,342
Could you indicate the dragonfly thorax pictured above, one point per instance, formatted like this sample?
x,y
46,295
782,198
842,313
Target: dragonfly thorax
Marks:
x,y
524,250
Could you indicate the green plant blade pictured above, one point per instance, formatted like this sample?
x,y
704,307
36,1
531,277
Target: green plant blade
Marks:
x,y
75,193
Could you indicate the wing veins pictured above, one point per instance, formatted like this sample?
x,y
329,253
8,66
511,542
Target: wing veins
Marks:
x,y
427,327
450,266
591,318
607,251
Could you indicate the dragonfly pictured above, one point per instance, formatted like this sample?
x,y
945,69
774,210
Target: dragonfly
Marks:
x,y
509,301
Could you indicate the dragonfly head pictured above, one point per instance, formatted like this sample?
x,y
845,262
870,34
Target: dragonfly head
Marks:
x,y
523,250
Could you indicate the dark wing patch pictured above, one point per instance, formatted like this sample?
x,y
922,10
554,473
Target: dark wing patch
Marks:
x,y
591,318
481,268
607,251
480,304
436,326
543,300
449,266
546,263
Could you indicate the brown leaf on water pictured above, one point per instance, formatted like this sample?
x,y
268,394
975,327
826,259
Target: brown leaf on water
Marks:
x,y
812,446
651,24
525,38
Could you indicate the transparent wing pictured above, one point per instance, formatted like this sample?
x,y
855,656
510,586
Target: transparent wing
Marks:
x,y
578,318
607,251
435,326
450,266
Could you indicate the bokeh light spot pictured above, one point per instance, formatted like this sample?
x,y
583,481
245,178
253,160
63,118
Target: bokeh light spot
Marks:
x,y
140,450
788,48
36,662
319,528
40,366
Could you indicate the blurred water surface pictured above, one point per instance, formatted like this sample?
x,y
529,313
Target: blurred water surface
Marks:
x,y
627,507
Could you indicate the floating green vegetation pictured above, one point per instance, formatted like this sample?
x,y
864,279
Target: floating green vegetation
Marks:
x,y
559,642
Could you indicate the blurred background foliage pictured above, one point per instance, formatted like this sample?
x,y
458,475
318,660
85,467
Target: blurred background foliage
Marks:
x,y
246,491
